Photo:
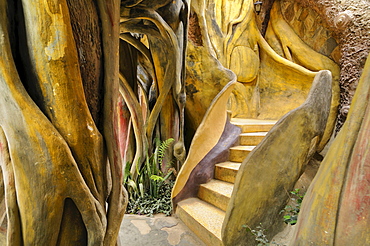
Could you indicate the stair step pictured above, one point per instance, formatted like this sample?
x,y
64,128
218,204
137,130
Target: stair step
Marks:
x,y
227,171
216,192
253,125
251,138
239,153
203,219
205,215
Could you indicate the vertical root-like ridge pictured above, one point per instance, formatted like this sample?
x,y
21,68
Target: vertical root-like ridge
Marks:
x,y
14,231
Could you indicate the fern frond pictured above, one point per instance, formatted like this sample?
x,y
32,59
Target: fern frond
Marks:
x,y
162,149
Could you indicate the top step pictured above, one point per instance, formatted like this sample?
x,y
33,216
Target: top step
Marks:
x,y
253,125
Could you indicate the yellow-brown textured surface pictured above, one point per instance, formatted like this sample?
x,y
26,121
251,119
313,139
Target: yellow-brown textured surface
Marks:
x,y
273,168
274,72
216,192
54,159
238,153
320,216
252,138
226,171
203,218
206,137
44,159
205,79
253,125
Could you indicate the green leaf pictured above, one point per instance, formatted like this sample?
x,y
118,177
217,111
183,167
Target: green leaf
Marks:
x,y
127,172
162,149
167,175
137,166
132,184
156,178
141,188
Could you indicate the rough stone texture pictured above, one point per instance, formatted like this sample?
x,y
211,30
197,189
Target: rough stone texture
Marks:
x,y
349,20
272,169
194,33
264,17
308,25
86,31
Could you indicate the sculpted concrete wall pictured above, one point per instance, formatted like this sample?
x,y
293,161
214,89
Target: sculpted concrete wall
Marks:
x,y
335,210
274,166
228,30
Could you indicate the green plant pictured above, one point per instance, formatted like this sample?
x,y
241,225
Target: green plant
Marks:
x,y
260,236
150,193
292,211
148,205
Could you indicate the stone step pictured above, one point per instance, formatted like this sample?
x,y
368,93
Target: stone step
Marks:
x,y
204,215
253,125
251,138
239,153
216,192
227,171
204,219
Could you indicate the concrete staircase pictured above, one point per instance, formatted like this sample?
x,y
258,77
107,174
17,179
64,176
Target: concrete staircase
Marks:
x,y
204,214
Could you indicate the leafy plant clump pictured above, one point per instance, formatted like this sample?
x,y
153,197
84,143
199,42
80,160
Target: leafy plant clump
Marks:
x,y
150,193
148,205
260,236
292,211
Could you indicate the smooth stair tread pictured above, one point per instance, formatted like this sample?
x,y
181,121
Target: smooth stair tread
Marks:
x,y
204,219
205,215
242,147
251,138
239,153
216,192
227,171
252,121
253,125
254,134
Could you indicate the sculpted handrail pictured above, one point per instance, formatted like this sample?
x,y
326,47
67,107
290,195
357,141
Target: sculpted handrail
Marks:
x,y
204,150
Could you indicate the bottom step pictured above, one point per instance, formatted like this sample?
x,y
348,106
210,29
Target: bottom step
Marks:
x,y
203,219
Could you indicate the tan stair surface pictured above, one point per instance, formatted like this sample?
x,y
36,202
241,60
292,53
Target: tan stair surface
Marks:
x,y
227,171
239,153
204,219
204,215
216,192
251,138
253,125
